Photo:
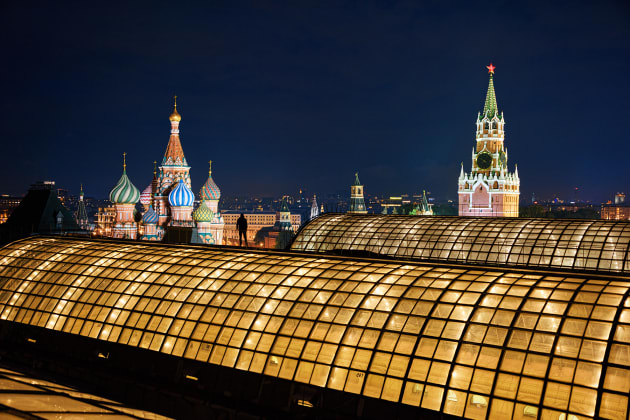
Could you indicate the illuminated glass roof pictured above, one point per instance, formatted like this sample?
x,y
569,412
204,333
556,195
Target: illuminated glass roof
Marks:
x,y
24,396
467,341
597,245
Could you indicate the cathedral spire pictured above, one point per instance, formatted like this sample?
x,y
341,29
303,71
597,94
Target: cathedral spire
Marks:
x,y
174,155
490,108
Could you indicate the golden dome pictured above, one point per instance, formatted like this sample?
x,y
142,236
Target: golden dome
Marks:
x,y
175,115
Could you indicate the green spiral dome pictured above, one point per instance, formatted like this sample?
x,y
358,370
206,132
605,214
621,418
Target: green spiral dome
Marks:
x,y
124,192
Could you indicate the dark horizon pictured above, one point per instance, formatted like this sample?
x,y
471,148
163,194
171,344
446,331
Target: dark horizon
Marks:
x,y
302,96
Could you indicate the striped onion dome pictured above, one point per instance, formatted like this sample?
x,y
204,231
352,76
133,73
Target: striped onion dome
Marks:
x,y
145,197
124,192
203,213
210,190
150,217
181,195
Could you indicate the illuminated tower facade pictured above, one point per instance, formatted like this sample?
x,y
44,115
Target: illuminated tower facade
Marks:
x,y
314,208
173,169
124,196
490,189
210,194
82,217
357,203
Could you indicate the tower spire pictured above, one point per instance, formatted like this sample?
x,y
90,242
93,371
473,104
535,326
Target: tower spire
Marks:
x,y
209,168
490,108
124,161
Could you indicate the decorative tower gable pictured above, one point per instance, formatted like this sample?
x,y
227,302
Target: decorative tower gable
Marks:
x,y
489,189
357,202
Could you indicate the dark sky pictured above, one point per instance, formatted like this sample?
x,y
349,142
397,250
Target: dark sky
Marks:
x,y
303,94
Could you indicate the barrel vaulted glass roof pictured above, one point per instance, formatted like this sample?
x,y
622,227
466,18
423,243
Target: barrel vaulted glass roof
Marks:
x,y
467,341
595,245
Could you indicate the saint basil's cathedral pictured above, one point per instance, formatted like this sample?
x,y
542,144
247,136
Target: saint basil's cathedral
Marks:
x,y
168,201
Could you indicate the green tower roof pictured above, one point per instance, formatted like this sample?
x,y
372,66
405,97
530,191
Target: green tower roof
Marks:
x,y
490,108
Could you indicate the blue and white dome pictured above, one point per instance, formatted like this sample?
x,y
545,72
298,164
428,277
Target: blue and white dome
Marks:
x,y
181,196
150,217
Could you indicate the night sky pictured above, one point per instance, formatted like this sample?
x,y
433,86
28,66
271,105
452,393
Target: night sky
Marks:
x,y
294,95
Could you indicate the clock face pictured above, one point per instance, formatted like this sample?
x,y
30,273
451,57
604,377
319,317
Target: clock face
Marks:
x,y
484,160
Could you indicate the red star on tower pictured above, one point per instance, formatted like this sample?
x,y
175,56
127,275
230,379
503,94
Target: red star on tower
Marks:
x,y
491,68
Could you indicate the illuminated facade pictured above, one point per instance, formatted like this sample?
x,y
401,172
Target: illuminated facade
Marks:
x,y
490,189
255,222
615,212
314,208
396,336
174,168
81,215
357,202
169,198
124,196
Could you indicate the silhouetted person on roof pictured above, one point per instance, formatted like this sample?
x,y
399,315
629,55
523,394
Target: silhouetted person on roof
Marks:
x,y
241,225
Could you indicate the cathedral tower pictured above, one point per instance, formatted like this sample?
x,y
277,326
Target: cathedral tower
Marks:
x,y
357,202
173,169
489,189
124,196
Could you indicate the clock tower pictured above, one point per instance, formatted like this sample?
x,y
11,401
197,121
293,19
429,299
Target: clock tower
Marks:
x,y
490,189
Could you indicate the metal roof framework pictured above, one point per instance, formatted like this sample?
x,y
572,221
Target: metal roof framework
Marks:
x,y
466,341
570,244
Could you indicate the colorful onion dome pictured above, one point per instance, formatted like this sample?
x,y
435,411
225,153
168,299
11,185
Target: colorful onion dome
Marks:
x,y
175,115
145,197
210,190
203,213
150,217
181,195
124,192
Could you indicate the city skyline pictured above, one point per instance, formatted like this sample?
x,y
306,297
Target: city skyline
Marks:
x,y
278,108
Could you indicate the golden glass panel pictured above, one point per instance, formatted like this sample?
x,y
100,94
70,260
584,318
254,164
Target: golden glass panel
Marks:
x,y
337,378
398,366
501,409
488,357
413,393
475,333
482,381
557,395
477,406
583,401
467,354
391,389
513,361
419,369
455,402
529,390
613,406
506,386
438,374
354,383
617,379
432,399
460,377
361,359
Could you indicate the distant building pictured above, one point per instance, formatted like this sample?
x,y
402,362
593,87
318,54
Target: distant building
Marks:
x,y
104,221
81,215
314,208
490,189
256,221
620,198
615,211
357,202
423,208
7,205
40,211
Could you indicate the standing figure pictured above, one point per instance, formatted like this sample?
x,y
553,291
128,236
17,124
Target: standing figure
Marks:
x,y
241,225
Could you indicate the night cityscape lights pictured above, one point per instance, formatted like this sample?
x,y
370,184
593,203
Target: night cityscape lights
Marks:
x,y
297,289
